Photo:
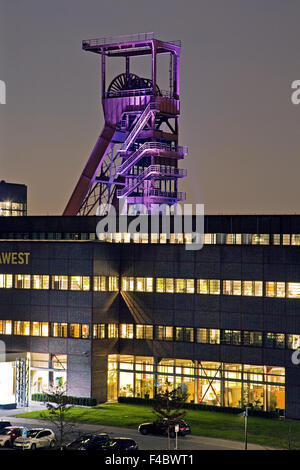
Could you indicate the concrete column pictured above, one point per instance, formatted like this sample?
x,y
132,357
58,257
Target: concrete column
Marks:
x,y
99,378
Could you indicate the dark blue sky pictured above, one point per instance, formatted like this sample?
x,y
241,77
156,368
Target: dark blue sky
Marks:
x,y
239,58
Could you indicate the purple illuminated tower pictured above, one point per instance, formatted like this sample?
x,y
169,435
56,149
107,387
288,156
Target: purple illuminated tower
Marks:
x,y
136,156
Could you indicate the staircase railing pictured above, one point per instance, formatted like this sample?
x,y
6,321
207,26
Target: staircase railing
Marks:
x,y
162,170
135,156
138,126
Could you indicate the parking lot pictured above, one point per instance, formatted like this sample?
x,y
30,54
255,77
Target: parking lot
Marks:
x,y
149,442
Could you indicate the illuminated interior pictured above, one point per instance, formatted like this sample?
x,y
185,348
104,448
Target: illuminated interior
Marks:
x,y
210,383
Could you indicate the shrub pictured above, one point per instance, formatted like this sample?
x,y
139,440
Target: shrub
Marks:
x,y
68,400
197,406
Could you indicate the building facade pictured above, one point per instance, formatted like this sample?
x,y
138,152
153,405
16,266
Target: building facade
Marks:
x,y
114,317
13,199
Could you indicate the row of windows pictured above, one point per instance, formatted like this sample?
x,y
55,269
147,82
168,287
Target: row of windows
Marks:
x,y
150,332
9,209
198,335
44,329
174,238
77,283
150,284
212,286
208,238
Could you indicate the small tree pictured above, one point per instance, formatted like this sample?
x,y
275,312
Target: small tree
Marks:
x,y
168,406
58,411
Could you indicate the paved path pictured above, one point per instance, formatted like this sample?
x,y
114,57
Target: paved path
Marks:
x,y
149,442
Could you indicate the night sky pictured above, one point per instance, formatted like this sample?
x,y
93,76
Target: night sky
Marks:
x,y
239,58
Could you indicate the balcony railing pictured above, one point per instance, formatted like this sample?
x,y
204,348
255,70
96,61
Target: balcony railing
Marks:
x,y
123,39
138,92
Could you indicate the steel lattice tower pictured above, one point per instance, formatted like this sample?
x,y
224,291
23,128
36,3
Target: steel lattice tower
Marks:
x,y
136,156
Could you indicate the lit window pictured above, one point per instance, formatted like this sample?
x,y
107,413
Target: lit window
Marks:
x,y
252,338
293,341
230,239
44,329
163,238
118,237
112,330
128,284
6,281
5,327
40,282
100,283
154,237
99,331
296,239
232,337
22,328
74,330
184,334
258,288
190,286
202,335
180,238
276,238
113,283
160,284
260,239
202,286
207,239
60,282
274,340
286,239
275,289
237,287
293,290
248,288
136,238
214,286
188,237
238,238
22,281
180,286
126,331
35,328
169,285
80,283
144,331
149,284
85,331
144,237
39,328
164,333
126,237
59,330
214,336
140,284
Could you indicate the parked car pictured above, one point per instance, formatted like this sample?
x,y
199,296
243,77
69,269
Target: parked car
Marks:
x,y
8,435
120,444
93,441
36,439
161,427
4,424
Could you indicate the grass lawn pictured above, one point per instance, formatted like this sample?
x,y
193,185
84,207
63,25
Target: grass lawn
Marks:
x,y
269,432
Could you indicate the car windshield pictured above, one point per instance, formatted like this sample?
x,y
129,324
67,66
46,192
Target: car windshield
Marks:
x,y
33,432
5,432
